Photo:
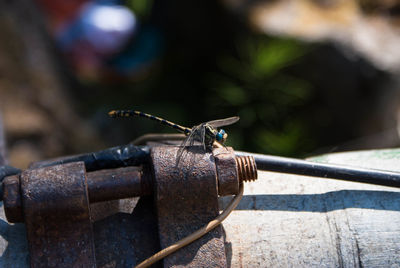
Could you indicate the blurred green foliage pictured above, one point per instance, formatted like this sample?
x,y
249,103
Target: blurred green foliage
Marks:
x,y
255,85
142,8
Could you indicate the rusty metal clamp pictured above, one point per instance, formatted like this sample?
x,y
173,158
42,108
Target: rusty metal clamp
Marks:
x,y
187,199
54,204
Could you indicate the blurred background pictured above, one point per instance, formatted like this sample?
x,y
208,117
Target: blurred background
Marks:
x,y
306,77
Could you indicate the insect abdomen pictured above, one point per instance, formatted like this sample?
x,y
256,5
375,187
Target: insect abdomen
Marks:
x,y
130,113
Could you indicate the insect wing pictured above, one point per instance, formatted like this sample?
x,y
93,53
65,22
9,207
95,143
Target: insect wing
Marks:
x,y
186,142
197,134
182,147
203,135
223,122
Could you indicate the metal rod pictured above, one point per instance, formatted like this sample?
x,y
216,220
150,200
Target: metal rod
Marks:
x,y
340,172
111,184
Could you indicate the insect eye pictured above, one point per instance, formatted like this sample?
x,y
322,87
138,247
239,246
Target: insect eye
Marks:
x,y
219,136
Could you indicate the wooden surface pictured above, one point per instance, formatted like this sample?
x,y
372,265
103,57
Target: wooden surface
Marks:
x,y
295,221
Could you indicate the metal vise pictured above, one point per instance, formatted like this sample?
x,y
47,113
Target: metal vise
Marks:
x,y
54,202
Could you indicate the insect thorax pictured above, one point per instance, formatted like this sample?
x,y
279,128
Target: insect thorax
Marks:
x,y
210,135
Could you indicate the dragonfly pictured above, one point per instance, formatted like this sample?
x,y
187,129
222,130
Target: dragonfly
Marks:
x,y
207,134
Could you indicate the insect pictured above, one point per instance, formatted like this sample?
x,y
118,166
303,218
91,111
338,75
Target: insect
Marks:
x,y
205,133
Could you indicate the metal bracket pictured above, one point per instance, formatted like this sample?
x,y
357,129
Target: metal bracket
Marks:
x,y
187,199
57,218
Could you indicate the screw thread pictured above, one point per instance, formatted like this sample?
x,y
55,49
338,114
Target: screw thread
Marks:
x,y
247,169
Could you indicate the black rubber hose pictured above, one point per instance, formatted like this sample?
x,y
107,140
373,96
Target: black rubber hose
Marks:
x,y
120,156
321,170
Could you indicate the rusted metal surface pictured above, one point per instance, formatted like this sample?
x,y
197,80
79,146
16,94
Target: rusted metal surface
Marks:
x,y
111,184
120,240
12,199
126,239
55,202
186,199
247,168
228,182
103,185
6,171
57,218
233,170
